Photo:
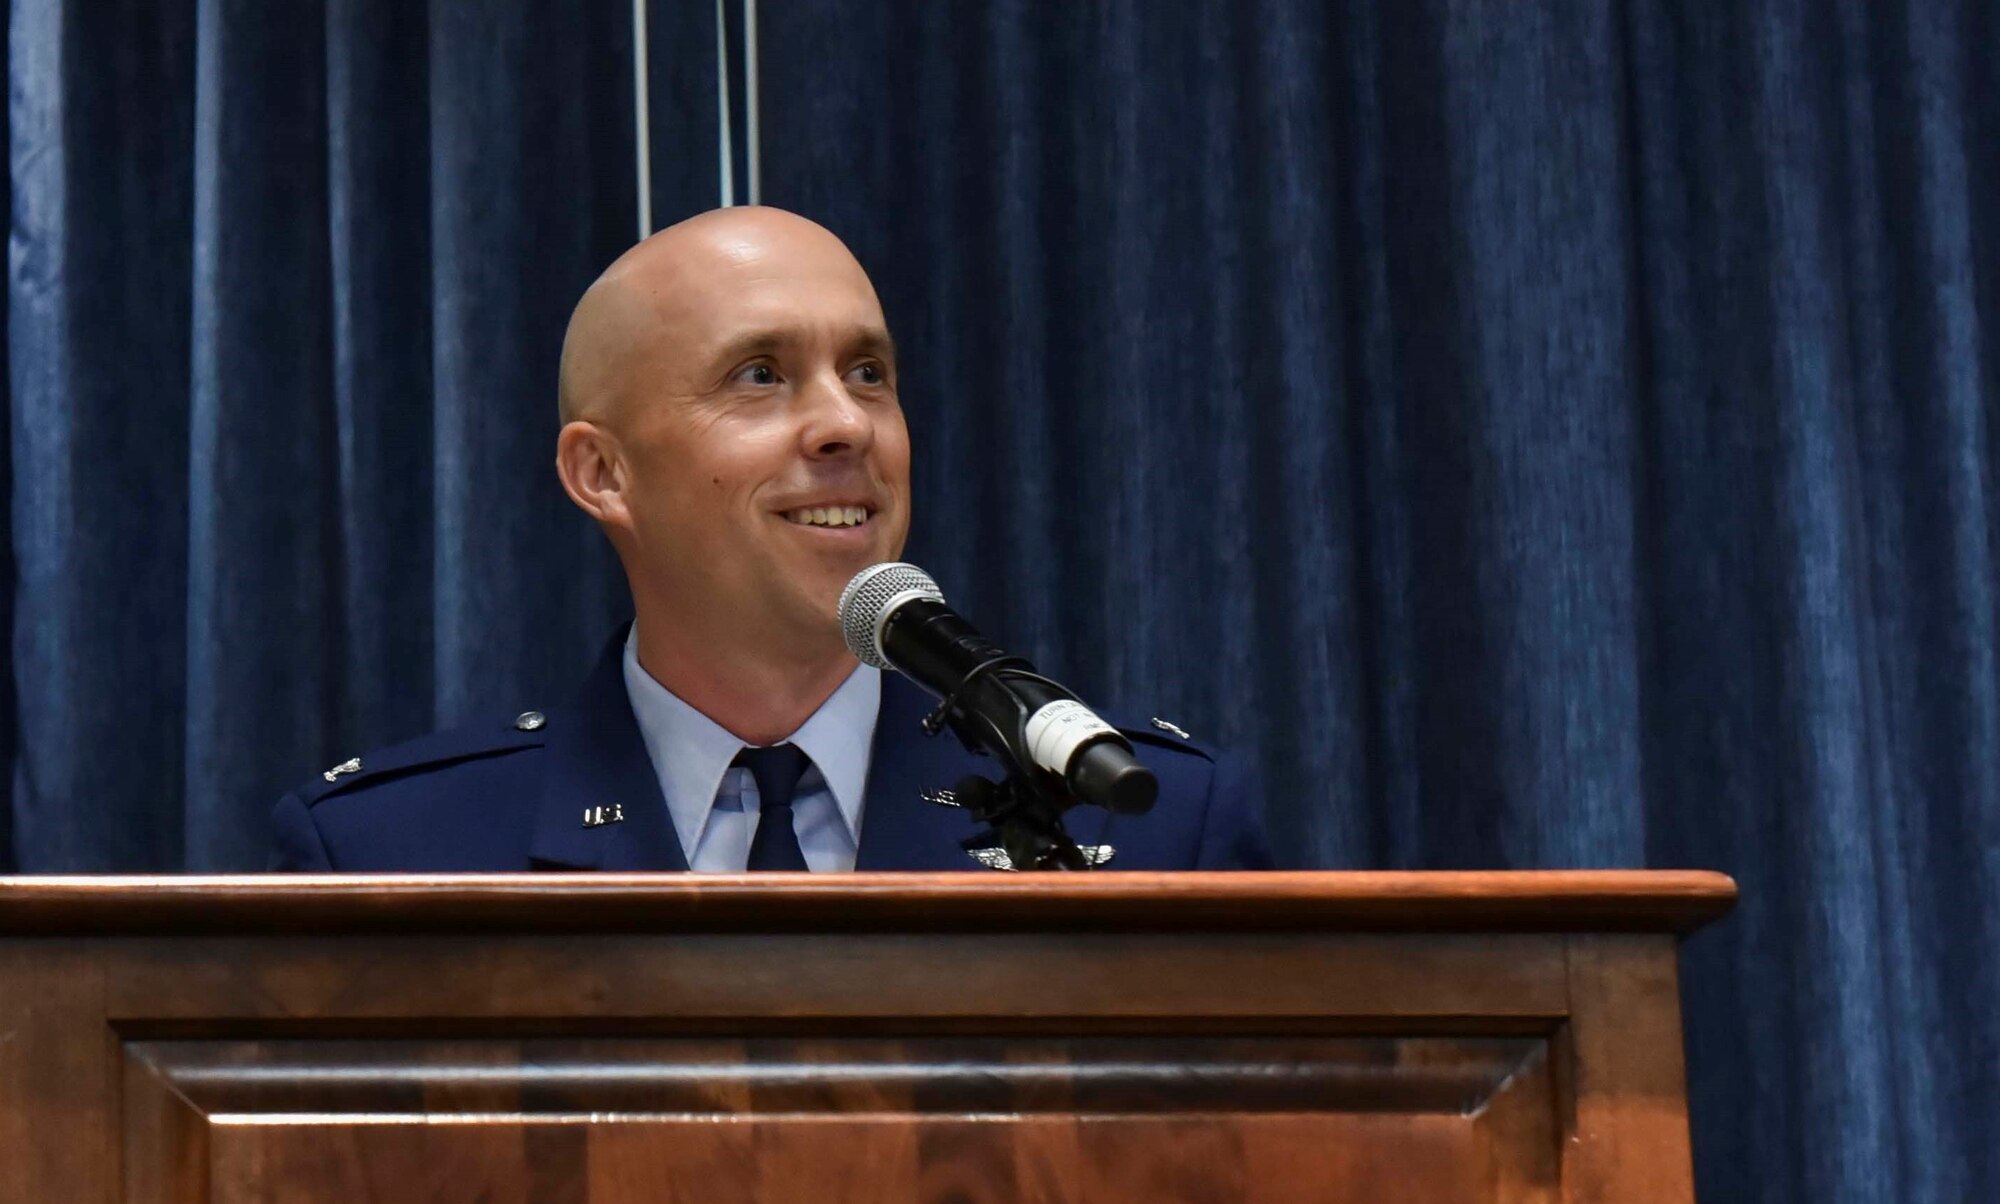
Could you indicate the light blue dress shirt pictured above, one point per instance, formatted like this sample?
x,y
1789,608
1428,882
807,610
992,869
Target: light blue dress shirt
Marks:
x,y
715,806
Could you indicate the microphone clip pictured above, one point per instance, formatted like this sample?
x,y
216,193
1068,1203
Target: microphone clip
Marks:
x,y
1021,819
936,720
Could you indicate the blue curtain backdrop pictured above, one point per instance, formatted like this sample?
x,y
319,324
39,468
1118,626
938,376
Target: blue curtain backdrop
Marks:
x,y
1539,434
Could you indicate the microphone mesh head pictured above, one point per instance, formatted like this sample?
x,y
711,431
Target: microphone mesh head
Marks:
x,y
871,597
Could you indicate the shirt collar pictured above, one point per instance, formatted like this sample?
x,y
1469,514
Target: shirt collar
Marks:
x,y
690,752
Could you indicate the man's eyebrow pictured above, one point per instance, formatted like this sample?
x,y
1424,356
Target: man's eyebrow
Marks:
x,y
876,341
747,345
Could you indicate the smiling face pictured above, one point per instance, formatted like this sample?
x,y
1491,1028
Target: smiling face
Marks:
x,y
744,403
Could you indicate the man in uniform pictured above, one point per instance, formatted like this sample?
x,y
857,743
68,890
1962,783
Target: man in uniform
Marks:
x,y
730,418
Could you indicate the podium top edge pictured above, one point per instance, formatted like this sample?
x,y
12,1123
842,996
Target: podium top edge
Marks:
x,y
1664,901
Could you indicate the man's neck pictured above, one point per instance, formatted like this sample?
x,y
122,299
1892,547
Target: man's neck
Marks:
x,y
759,695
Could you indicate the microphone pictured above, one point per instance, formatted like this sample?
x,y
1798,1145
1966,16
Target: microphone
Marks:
x,y
893,616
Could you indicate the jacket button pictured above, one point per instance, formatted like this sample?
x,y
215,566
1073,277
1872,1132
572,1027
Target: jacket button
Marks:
x,y
530,721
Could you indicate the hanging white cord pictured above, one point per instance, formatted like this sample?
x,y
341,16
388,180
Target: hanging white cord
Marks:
x,y
750,148
726,159
642,156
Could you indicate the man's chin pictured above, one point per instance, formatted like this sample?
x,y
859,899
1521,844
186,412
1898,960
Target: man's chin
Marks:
x,y
823,561
813,594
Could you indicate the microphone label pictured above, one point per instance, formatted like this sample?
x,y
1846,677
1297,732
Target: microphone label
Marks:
x,y
1057,730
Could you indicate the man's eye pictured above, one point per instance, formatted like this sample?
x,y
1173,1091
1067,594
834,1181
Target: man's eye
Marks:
x,y
758,374
868,374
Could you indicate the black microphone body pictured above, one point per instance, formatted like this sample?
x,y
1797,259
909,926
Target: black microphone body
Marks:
x,y
1028,720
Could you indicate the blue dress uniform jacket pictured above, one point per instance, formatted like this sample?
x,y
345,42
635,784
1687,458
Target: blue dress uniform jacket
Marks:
x,y
575,790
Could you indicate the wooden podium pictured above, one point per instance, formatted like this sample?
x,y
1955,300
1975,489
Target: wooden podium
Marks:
x,y
1404,1038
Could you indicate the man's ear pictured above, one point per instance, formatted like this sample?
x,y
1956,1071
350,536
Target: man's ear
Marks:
x,y
592,468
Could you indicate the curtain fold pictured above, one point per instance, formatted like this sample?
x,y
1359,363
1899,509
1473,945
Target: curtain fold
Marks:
x,y
99,291
1534,434
286,294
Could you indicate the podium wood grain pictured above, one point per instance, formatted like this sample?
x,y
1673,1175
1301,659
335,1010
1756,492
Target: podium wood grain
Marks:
x,y
1278,1037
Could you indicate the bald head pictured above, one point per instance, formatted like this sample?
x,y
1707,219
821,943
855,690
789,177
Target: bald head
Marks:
x,y
732,421
660,298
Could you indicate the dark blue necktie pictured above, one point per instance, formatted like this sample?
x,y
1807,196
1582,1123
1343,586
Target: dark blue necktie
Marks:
x,y
777,770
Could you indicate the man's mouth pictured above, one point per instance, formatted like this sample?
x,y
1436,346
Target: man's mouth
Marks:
x,y
829,516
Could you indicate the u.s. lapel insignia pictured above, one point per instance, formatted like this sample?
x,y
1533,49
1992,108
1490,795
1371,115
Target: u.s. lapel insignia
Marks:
x,y
940,798
597,817
1094,855
349,766
1175,728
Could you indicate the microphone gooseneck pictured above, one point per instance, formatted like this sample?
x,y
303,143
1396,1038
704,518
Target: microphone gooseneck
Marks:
x,y
893,616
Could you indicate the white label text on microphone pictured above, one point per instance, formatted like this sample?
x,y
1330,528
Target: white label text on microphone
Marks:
x,y
1057,730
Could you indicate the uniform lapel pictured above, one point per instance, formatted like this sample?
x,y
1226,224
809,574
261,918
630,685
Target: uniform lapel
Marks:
x,y
899,830
597,758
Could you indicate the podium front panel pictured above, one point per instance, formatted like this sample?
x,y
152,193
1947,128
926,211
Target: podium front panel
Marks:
x,y
1193,1056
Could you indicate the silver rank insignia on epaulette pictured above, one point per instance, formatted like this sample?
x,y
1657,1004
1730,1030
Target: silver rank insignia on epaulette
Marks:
x,y
1175,728
940,798
597,817
1094,855
349,766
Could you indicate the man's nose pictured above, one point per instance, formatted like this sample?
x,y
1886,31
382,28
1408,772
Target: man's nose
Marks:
x,y
835,423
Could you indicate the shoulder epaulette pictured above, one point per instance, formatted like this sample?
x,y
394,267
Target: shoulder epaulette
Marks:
x,y
433,751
